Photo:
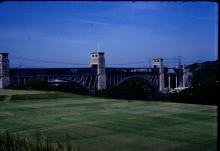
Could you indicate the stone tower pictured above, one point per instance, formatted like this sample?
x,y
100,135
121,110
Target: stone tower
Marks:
x,y
186,76
159,64
4,70
98,62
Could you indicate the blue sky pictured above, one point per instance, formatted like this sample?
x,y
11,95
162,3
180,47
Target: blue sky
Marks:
x,y
128,32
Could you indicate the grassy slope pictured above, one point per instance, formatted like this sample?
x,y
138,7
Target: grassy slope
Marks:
x,y
105,124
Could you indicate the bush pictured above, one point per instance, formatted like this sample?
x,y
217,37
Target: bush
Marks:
x,y
2,97
191,95
31,84
37,84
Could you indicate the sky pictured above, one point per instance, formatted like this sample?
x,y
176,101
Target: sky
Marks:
x,y
62,34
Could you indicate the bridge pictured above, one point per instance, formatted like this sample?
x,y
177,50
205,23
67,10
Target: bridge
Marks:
x,y
97,76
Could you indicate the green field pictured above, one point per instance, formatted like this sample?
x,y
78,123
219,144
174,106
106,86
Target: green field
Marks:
x,y
96,124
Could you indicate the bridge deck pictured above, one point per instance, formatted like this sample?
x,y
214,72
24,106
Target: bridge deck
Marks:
x,y
27,72
87,76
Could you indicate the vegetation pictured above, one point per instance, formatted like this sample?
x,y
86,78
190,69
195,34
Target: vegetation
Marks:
x,y
14,142
205,83
98,124
2,97
32,83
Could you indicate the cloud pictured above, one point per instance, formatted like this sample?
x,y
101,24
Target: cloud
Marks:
x,y
199,18
94,22
64,40
58,18
36,35
13,34
143,6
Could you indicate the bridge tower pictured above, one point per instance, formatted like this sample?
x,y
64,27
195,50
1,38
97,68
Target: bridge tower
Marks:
x,y
98,62
4,70
187,76
159,64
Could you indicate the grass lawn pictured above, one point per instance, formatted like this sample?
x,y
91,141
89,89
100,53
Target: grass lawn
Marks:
x,y
96,124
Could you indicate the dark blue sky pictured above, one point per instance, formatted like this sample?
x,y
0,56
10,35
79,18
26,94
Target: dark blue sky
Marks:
x,y
126,31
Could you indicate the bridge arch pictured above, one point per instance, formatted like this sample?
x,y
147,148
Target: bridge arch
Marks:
x,y
88,82
149,88
144,78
